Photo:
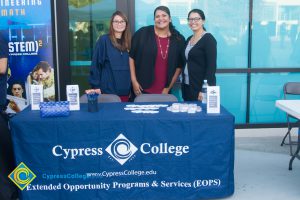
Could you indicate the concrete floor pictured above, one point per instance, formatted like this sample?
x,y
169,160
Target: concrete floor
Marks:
x,y
261,166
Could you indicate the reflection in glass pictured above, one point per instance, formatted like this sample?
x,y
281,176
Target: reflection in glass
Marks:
x,y
87,21
234,94
265,90
275,36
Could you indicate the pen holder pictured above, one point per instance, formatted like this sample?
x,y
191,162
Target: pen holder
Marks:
x,y
54,109
92,102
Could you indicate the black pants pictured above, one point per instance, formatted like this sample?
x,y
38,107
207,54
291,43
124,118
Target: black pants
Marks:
x,y
189,93
131,95
7,164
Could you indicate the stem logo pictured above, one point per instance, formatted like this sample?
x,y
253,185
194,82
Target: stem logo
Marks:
x,y
22,176
121,149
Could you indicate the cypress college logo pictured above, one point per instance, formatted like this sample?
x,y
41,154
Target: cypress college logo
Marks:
x,y
121,149
22,176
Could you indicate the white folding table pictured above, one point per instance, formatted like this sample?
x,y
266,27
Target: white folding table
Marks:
x,y
291,107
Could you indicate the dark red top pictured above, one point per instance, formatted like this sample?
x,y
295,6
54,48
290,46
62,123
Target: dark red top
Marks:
x,y
124,98
161,67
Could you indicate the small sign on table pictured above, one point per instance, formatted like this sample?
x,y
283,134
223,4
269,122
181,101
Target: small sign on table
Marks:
x,y
73,97
213,99
37,96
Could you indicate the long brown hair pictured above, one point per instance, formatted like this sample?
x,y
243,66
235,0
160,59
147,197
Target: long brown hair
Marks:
x,y
126,35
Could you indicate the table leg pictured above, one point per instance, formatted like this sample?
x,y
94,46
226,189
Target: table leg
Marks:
x,y
296,153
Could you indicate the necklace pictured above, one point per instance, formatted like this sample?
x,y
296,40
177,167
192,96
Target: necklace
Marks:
x,y
161,50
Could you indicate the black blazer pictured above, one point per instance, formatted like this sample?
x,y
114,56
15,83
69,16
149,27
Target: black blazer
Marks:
x,y
202,62
144,49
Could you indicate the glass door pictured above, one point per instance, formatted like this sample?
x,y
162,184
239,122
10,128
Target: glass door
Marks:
x,y
87,21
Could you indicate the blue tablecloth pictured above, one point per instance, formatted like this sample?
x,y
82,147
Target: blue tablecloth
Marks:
x,y
115,154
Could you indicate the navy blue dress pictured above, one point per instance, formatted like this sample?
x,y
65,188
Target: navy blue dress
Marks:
x,y
110,68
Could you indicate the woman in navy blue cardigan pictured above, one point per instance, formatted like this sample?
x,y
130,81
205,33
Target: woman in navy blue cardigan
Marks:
x,y
110,65
201,58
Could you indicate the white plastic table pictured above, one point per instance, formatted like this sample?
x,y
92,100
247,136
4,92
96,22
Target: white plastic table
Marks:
x,y
291,107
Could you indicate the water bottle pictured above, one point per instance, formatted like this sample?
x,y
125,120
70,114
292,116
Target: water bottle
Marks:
x,y
204,92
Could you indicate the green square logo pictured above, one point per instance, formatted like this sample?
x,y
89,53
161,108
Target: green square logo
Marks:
x,y
22,176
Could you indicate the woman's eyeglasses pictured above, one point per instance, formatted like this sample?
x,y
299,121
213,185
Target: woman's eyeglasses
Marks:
x,y
195,19
119,22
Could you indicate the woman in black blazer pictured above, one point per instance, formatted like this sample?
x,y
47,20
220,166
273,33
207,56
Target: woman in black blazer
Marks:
x,y
156,56
201,58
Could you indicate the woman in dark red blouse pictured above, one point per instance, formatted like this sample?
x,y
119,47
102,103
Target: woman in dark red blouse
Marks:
x,y
156,56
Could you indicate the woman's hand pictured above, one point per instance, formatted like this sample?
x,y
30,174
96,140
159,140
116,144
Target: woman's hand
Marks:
x,y
137,89
165,91
93,91
200,96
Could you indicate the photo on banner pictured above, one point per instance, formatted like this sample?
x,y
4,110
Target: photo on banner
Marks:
x,y
30,47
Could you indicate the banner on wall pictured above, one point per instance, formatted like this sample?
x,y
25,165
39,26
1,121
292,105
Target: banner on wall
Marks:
x,y
27,26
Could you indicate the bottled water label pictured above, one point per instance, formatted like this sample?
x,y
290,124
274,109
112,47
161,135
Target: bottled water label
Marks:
x,y
204,92
204,95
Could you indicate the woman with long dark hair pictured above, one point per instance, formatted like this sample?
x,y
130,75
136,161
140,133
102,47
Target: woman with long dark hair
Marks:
x,y
156,55
201,58
110,65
